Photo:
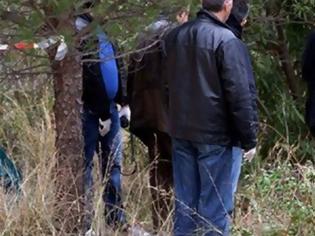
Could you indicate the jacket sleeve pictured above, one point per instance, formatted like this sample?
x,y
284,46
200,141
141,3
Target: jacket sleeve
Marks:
x,y
308,70
253,91
233,65
308,74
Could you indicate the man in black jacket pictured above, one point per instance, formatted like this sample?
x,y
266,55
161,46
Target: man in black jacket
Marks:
x,y
210,112
308,73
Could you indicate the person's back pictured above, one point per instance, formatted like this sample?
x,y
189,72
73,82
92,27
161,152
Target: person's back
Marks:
x,y
198,101
210,111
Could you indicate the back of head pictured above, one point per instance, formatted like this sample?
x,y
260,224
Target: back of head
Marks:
x,y
182,15
238,17
240,10
213,5
84,17
85,9
88,4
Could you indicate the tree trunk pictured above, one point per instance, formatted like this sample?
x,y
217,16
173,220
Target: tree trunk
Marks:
x,y
286,62
273,9
69,143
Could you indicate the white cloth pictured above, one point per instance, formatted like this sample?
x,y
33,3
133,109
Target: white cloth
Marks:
x,y
90,233
4,47
62,51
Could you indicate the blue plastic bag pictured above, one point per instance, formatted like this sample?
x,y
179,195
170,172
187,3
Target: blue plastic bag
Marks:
x,y
10,175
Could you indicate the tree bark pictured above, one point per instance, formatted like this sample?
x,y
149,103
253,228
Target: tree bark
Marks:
x,y
286,63
273,9
69,143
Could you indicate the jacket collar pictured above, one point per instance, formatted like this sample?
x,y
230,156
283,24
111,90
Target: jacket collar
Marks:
x,y
209,15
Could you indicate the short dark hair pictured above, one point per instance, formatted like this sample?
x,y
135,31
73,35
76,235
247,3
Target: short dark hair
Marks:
x,y
213,5
88,4
85,9
240,9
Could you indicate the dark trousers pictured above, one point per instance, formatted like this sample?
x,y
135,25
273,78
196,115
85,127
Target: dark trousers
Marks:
x,y
109,150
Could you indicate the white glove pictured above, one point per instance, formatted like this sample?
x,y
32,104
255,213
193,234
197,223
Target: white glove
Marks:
x,y
249,156
104,127
125,111
90,233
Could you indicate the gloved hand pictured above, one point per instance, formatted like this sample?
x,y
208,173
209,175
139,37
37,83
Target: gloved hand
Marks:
x,y
124,115
125,111
104,126
249,156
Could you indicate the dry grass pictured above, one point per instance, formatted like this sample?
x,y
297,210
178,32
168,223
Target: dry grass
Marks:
x,y
280,199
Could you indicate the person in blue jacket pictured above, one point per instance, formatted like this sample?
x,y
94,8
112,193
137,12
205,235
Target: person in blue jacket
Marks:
x,y
103,87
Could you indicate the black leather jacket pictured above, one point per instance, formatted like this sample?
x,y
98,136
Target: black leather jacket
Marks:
x,y
209,97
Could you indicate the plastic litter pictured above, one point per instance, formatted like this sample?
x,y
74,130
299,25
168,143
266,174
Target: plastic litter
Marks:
x,y
24,45
10,175
61,51
46,43
4,47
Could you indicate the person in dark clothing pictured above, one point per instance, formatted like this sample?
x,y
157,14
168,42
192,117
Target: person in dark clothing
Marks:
x,y
308,74
238,17
149,119
103,87
236,22
210,112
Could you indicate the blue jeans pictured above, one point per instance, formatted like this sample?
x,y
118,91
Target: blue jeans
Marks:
x,y
203,188
236,169
109,150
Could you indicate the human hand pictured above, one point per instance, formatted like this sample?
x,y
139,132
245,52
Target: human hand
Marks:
x,y
125,111
104,126
249,155
124,115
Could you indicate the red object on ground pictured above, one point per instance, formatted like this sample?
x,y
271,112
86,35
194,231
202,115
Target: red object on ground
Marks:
x,y
24,45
